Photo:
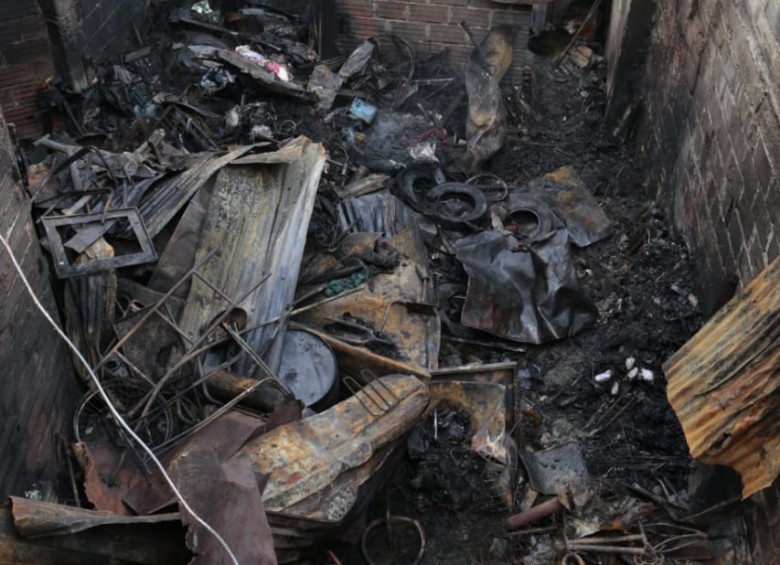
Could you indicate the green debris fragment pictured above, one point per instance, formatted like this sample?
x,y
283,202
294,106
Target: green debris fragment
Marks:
x,y
337,286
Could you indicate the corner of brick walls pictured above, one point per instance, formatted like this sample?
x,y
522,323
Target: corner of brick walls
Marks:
x,y
710,142
432,25
711,132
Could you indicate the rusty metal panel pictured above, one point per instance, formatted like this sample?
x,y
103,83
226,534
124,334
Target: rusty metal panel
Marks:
x,y
724,385
257,218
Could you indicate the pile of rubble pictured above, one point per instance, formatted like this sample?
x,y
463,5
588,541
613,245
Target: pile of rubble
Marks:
x,y
261,254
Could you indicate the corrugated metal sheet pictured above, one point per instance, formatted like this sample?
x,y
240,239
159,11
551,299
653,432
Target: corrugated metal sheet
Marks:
x,y
724,385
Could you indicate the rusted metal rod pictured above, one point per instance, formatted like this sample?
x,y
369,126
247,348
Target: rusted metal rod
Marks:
x,y
534,531
614,549
538,512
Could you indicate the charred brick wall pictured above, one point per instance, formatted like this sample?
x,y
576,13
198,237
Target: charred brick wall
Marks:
x,y
85,31
711,132
37,388
432,25
710,137
25,62
108,24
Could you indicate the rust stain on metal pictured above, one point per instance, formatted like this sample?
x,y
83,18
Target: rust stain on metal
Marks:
x,y
724,385
305,457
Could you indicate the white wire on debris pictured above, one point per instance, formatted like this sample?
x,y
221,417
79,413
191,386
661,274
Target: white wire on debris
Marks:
x,y
117,416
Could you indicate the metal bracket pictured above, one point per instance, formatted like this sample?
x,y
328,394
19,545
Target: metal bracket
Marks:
x,y
65,268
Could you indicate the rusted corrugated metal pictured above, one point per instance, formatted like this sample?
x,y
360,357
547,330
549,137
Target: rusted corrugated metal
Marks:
x,y
724,385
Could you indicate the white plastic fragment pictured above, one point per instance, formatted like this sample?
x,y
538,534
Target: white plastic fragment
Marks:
x,y
248,53
630,363
603,377
647,375
232,118
633,373
203,8
615,388
261,132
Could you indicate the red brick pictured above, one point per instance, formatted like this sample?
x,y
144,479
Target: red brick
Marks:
x,y
476,18
391,10
450,2
429,13
364,27
411,31
521,17
355,8
448,34
460,54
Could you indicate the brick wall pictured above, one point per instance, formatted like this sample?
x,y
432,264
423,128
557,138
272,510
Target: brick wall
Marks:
x,y
107,25
25,62
37,388
430,26
711,132
85,31
710,138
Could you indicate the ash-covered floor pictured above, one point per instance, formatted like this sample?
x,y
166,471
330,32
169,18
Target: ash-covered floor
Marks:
x,y
598,389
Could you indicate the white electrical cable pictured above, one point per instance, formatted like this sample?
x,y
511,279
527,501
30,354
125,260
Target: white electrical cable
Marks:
x,y
117,416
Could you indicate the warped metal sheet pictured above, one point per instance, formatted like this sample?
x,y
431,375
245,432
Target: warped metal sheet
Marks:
x,y
306,457
396,304
563,191
724,387
35,519
170,196
42,533
257,220
65,268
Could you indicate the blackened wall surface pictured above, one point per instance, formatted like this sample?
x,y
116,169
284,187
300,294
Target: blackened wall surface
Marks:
x,y
432,25
85,31
107,25
37,388
25,62
711,132
710,138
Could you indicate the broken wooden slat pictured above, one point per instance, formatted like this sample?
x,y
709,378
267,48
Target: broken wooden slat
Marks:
x,y
724,385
